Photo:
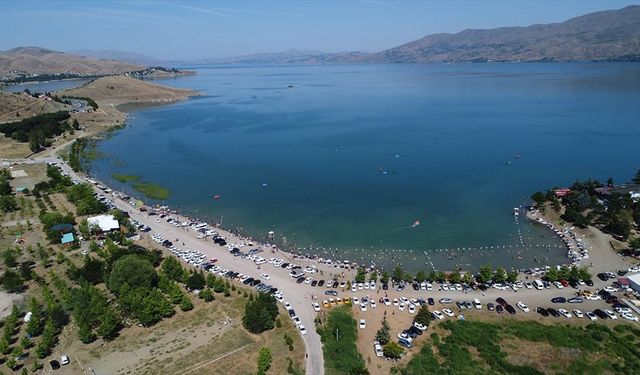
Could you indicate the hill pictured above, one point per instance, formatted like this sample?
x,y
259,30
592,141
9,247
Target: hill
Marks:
x,y
125,56
36,60
116,90
600,36
15,107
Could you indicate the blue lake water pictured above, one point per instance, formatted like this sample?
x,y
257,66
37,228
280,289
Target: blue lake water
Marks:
x,y
345,160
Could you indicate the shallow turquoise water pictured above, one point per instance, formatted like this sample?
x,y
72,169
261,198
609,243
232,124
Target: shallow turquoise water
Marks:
x,y
350,156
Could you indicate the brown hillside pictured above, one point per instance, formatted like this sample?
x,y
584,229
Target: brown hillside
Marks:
x,y
44,61
119,90
26,106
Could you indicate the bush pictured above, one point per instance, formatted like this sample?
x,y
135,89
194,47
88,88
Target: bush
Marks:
x,y
393,350
133,270
260,314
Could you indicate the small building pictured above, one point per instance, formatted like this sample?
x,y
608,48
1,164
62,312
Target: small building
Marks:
x,y
634,282
105,223
561,192
67,239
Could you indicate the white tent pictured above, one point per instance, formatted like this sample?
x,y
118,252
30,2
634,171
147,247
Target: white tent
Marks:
x,y
106,223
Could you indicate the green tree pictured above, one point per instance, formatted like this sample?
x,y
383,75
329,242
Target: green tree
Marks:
x,y
551,275
383,335
207,295
109,325
500,276
196,281
421,276
12,282
423,316
393,350
173,269
133,270
385,277
512,276
454,277
186,304
264,360
361,275
260,314
373,276
539,198
485,275
8,203
398,274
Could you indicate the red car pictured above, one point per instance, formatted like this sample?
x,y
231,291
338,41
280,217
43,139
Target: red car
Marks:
x,y
213,260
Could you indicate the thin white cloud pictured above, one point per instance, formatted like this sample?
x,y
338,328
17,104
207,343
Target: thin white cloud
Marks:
x,y
202,10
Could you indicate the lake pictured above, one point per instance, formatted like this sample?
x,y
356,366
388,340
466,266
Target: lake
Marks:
x,y
341,160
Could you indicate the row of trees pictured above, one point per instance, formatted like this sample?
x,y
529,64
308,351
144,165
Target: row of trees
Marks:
x,y
86,203
37,129
7,201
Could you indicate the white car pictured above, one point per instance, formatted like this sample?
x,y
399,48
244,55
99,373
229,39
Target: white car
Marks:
x,y
387,301
373,304
354,288
578,314
610,314
401,306
363,324
591,316
437,314
448,312
265,276
363,306
412,309
355,300
378,349
610,289
64,360
564,313
316,306
523,307
558,284
296,320
403,335
372,285
303,331
629,316
420,326
395,302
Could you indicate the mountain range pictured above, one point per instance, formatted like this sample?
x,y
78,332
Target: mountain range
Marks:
x,y
612,35
44,61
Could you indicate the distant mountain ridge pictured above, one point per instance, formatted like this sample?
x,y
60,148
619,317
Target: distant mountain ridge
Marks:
x,y
37,60
600,36
125,56
612,35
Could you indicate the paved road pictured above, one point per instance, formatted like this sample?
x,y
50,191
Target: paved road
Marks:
x,y
299,296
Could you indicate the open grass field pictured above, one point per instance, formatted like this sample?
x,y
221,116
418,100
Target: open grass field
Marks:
x,y
526,347
339,334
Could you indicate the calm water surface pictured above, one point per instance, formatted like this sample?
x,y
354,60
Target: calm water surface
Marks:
x,y
345,160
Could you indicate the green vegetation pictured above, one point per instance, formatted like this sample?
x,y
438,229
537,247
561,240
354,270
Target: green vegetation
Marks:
x,y
37,129
594,349
260,314
339,335
383,335
264,360
611,210
86,203
393,350
573,274
125,177
153,191
7,201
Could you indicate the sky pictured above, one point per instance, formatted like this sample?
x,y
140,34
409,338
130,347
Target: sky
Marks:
x,y
191,30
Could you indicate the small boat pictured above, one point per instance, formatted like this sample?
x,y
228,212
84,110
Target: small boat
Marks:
x,y
415,224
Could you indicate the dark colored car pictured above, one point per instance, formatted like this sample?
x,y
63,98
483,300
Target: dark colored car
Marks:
x,y
415,286
248,280
292,313
54,364
314,282
461,305
330,293
553,312
491,306
558,300
482,287
321,283
603,276
604,294
430,301
589,282
600,314
300,280
414,330
510,309
385,286
542,311
499,309
256,282
335,284
501,301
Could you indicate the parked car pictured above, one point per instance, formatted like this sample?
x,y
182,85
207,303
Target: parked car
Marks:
x,y
363,324
542,311
558,300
